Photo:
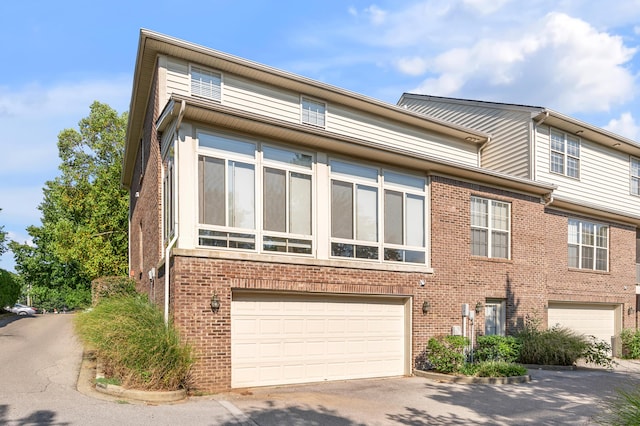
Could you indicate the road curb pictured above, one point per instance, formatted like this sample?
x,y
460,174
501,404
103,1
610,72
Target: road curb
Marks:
x,y
139,395
469,380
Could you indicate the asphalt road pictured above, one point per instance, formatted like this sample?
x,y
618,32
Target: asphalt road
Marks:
x,y
44,381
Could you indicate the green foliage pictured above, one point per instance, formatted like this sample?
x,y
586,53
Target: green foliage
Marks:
x,y
560,346
623,409
136,347
630,343
445,354
9,289
497,348
493,369
112,287
84,212
555,346
3,240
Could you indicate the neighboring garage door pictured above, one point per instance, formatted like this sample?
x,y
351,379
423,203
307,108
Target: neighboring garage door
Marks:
x,y
282,339
596,320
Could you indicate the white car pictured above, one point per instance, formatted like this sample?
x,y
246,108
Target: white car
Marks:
x,y
21,309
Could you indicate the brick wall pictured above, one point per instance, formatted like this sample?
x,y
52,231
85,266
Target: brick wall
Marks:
x,y
145,242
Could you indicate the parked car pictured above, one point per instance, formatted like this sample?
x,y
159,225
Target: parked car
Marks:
x,y
21,309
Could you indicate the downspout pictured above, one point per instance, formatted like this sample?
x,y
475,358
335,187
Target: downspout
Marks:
x,y
167,251
482,147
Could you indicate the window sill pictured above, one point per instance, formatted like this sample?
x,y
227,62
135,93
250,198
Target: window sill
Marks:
x,y
491,259
589,271
294,260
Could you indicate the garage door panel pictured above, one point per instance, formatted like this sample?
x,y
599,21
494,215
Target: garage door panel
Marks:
x,y
306,339
596,320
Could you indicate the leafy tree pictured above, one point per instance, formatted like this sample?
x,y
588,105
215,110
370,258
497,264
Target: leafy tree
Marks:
x,y
3,240
84,212
9,288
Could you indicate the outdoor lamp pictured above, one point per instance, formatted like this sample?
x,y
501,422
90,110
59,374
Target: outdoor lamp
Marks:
x,y
215,302
426,306
478,308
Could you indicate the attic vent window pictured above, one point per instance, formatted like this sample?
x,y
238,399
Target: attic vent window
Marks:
x,y
205,83
313,112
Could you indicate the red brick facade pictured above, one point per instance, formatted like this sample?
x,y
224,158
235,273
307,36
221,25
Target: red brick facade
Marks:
x,y
536,273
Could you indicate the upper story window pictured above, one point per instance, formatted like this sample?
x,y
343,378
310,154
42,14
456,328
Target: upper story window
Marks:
x,y
356,218
588,245
313,112
565,154
635,176
490,228
168,191
235,176
206,83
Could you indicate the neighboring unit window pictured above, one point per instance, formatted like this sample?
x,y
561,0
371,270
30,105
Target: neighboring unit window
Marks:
x,y
565,154
313,112
205,83
287,201
490,228
227,192
168,190
494,317
635,176
356,220
588,245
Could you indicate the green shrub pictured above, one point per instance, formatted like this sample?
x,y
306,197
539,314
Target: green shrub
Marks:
x,y
497,348
112,287
630,343
445,354
555,346
136,347
623,409
499,369
597,352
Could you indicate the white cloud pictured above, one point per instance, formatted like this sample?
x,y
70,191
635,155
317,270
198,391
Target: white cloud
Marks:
x,y
485,6
626,126
561,62
376,15
412,66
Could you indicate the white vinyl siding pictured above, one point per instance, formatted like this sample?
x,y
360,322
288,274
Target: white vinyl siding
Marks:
x,y
604,176
281,104
509,150
281,339
588,245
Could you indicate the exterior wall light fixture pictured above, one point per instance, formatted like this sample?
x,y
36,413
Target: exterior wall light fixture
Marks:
x,y
479,307
630,310
215,302
426,307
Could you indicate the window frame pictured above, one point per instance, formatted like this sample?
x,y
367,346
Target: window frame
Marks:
x,y
365,247
205,70
634,179
490,229
169,191
565,153
260,164
312,101
580,245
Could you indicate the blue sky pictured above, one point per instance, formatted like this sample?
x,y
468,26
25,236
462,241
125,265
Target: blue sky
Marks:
x,y
577,57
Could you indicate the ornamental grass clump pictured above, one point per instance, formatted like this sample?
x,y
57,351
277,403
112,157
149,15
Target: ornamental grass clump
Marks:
x,y
131,339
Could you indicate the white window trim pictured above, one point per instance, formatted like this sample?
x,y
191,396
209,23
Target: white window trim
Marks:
x,y
595,247
380,185
489,228
210,70
632,176
259,163
316,101
565,154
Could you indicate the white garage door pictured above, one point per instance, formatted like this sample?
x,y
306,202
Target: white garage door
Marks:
x,y
283,339
596,320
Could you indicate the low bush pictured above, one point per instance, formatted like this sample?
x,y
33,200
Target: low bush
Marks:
x,y
623,409
630,343
129,335
494,369
555,346
497,348
445,354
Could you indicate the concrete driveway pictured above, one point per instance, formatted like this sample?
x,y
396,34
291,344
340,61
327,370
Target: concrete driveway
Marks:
x,y
46,382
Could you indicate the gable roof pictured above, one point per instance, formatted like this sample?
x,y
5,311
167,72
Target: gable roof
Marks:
x,y
545,115
152,44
